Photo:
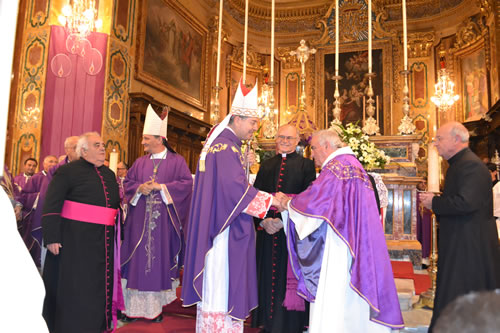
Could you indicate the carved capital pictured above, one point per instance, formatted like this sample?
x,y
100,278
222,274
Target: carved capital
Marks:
x,y
420,44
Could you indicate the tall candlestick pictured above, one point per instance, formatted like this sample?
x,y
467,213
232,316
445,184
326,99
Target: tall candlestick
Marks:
x,y
432,169
272,40
326,113
8,15
337,42
245,44
219,38
370,36
405,37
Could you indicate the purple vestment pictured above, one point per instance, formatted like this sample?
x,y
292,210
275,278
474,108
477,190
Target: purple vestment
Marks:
x,y
31,225
221,193
149,253
424,228
343,197
21,180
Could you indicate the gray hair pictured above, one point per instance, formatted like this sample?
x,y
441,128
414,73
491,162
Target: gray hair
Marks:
x,y
328,136
457,129
69,139
83,142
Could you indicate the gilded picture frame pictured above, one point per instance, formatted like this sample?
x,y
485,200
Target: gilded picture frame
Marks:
x,y
172,52
472,81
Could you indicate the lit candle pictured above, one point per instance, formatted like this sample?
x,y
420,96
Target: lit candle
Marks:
x,y
219,43
272,40
337,42
370,36
8,15
245,44
113,161
432,169
405,37
326,113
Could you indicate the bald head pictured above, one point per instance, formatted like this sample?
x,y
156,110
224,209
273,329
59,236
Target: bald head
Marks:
x,y
451,138
48,162
287,139
70,147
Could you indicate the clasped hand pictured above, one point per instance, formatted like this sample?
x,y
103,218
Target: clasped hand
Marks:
x,y
426,199
271,225
280,201
148,187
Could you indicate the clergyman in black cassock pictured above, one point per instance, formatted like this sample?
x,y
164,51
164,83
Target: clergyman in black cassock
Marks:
x,y
289,173
78,272
469,258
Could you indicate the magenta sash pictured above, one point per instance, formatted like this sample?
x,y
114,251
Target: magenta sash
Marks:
x,y
88,213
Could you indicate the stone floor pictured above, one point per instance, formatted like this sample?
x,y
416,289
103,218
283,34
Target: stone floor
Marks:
x,y
416,320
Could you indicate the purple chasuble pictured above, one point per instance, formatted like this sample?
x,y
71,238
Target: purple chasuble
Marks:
x,y
343,197
31,229
221,193
21,180
149,253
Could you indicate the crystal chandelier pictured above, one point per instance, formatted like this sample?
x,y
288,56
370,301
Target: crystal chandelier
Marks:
x,y
81,18
445,96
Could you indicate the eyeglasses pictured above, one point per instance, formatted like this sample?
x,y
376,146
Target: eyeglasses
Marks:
x,y
288,138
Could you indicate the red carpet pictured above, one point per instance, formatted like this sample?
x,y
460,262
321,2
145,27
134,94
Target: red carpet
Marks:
x,y
176,319
404,270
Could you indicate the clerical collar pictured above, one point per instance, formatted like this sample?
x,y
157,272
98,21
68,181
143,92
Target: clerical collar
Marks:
x,y
44,173
285,155
161,155
340,151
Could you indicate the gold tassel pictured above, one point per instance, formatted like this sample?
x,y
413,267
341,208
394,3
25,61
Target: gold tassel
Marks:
x,y
201,165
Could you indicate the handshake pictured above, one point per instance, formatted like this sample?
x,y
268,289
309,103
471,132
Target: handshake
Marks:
x,y
280,201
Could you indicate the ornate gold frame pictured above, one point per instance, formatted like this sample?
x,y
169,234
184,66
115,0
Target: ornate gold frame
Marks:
x,y
472,37
386,47
150,79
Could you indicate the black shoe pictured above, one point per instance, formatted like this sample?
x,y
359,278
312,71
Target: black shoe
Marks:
x,y
126,319
157,319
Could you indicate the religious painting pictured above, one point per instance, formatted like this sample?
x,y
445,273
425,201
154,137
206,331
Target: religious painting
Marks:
x,y
353,67
172,52
474,85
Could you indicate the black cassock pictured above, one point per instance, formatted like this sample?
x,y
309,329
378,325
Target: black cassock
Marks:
x,y
79,281
468,252
290,175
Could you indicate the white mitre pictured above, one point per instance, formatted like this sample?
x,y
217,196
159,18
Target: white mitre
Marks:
x,y
245,104
154,125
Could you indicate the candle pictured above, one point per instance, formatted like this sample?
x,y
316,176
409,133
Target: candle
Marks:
x,y
391,116
245,44
405,37
337,42
326,113
219,43
370,36
8,15
272,40
376,98
113,160
432,169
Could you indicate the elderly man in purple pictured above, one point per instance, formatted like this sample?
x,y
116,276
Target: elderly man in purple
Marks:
x,y
32,200
338,247
220,269
158,188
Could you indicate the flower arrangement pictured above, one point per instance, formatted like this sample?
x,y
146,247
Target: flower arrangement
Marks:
x,y
368,155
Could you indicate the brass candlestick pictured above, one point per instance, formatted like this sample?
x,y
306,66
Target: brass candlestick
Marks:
x,y
427,297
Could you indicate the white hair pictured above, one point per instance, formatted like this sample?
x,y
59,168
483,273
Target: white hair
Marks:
x,y
328,136
457,129
68,141
83,142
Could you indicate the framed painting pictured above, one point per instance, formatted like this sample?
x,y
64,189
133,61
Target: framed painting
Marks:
x,y
172,52
474,89
353,65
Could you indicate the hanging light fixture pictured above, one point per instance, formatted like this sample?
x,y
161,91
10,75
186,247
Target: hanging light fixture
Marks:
x,y
80,18
445,96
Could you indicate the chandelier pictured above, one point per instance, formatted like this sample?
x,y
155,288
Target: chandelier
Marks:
x,y
81,18
445,96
